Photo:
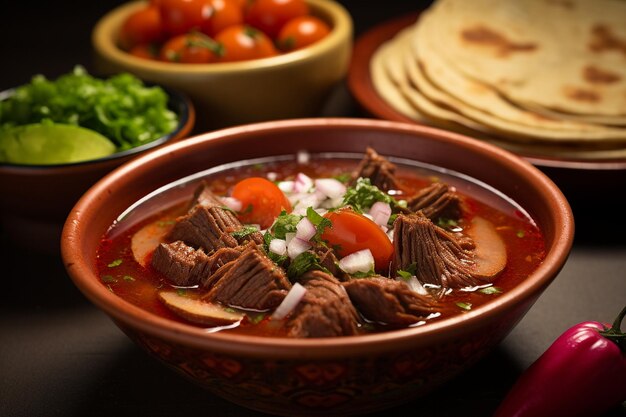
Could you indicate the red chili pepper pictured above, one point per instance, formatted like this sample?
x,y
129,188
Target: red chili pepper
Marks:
x,y
583,373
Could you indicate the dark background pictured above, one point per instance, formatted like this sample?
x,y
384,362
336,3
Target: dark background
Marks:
x,y
60,356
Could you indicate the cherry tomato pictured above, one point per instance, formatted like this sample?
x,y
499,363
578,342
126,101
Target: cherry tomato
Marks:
x,y
145,51
300,32
142,26
225,13
352,232
181,16
190,48
261,201
242,42
270,15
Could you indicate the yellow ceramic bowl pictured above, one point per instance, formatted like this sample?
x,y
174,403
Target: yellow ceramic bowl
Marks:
x,y
291,85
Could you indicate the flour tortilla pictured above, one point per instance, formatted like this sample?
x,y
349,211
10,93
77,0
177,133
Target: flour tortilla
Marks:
x,y
384,85
482,96
564,55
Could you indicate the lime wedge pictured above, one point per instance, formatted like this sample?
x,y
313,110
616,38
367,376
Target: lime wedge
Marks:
x,y
48,143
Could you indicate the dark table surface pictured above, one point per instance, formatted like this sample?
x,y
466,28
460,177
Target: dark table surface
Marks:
x,y
61,356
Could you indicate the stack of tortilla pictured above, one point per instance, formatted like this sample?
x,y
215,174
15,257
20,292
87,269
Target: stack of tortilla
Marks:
x,y
538,77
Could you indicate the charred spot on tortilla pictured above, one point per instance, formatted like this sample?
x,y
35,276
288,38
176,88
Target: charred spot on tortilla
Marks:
x,y
595,75
580,94
603,39
481,35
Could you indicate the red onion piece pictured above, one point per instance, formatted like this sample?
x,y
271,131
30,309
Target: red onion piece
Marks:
x,y
297,246
305,230
380,213
303,183
278,246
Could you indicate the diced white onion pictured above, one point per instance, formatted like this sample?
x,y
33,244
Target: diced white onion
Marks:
x,y
297,246
305,230
303,183
308,200
232,203
272,176
303,157
360,261
290,302
286,186
369,216
380,213
390,234
278,246
289,237
414,285
332,203
330,187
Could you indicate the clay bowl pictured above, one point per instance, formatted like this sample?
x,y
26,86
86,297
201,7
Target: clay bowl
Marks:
x,y
344,375
36,199
290,85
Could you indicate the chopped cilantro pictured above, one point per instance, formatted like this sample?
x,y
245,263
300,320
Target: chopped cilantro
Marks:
x,y
108,278
181,291
345,178
407,273
490,290
128,278
255,318
320,222
392,219
115,263
244,231
520,234
363,195
367,274
464,306
164,223
285,223
302,263
446,223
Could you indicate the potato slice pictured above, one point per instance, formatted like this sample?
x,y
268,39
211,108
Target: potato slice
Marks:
x,y
145,241
198,311
490,253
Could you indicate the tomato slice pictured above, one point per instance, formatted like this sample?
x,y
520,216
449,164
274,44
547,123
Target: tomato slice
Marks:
x,y
261,201
351,232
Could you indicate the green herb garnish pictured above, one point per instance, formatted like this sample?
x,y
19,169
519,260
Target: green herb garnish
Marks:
x,y
490,290
320,222
464,306
285,223
363,195
345,178
367,274
115,263
108,278
181,291
407,273
128,278
520,234
243,232
302,263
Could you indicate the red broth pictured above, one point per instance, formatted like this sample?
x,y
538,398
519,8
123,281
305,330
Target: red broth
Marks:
x,y
140,285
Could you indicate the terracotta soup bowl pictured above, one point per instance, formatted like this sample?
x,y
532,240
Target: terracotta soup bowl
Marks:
x,y
338,375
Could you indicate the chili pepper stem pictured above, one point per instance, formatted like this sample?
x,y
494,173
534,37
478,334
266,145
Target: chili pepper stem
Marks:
x,y
615,333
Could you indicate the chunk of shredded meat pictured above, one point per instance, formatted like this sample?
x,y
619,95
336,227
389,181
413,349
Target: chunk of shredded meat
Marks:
x,y
378,169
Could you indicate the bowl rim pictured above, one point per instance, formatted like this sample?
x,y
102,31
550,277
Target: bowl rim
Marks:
x,y
178,102
123,312
103,41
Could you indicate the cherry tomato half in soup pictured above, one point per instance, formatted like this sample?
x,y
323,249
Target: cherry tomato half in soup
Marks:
x,y
301,32
271,15
261,201
241,43
352,232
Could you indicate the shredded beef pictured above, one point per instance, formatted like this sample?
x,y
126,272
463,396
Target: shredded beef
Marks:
x,y
328,260
325,309
251,281
209,225
436,201
186,266
379,170
388,301
438,256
